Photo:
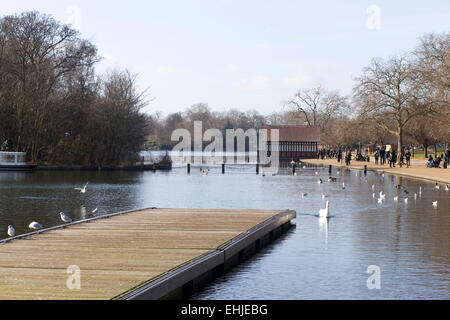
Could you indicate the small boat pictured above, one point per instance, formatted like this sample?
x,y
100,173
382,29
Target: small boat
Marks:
x,y
15,161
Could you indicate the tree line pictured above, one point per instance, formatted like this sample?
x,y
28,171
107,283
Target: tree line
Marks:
x,y
402,101
53,104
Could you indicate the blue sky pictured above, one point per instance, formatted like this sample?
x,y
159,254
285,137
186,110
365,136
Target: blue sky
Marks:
x,y
243,54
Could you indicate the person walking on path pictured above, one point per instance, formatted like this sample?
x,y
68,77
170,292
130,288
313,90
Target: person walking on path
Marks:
x,y
376,155
383,157
408,158
393,159
339,156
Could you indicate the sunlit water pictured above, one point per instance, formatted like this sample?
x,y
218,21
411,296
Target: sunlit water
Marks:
x,y
410,243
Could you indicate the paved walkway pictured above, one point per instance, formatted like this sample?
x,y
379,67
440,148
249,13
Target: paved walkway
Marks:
x,y
417,169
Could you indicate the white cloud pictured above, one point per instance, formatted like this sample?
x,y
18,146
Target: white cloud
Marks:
x,y
296,80
255,83
164,69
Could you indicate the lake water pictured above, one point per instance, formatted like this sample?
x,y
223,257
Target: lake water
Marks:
x,y
410,243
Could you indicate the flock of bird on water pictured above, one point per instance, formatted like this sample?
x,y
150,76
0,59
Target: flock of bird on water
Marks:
x,y
65,218
323,213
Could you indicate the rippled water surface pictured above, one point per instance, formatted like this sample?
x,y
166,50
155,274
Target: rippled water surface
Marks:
x,y
316,259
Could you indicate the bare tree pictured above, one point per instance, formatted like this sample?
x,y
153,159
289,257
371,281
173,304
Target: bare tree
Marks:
x,y
388,90
317,106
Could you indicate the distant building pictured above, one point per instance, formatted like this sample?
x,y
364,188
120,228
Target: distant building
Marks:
x,y
295,141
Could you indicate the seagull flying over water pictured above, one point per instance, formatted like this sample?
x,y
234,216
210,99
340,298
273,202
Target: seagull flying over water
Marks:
x,y
82,190
35,225
11,231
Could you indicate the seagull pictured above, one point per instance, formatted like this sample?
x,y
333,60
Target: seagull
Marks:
x,y
380,200
382,196
304,195
373,195
437,186
320,181
447,188
82,190
343,185
373,187
324,196
316,173
406,191
415,196
35,225
420,190
395,199
65,218
435,204
94,212
295,173
11,231
323,213
406,200
338,172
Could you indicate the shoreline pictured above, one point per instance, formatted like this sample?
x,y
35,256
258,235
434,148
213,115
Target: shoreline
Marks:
x,y
146,167
417,170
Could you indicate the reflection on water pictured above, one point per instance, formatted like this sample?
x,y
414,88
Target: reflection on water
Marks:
x,y
318,259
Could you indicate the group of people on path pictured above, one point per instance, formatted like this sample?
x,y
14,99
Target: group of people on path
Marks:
x,y
381,156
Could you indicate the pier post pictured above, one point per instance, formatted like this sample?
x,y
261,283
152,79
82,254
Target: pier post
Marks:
x,y
223,168
329,169
365,169
293,169
257,168
188,168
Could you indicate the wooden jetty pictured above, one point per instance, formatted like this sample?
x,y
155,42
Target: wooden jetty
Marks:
x,y
145,254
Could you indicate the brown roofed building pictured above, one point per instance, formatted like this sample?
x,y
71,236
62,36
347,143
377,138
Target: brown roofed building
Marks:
x,y
295,142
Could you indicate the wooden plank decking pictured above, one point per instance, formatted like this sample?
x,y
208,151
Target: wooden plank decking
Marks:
x,y
117,253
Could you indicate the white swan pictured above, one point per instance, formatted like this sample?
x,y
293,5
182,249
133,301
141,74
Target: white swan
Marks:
x,y
35,225
82,190
11,231
323,213
64,217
